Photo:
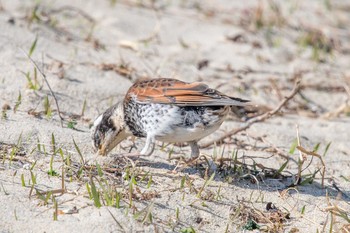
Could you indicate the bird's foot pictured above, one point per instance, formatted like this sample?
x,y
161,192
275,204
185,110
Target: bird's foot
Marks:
x,y
196,160
132,155
191,161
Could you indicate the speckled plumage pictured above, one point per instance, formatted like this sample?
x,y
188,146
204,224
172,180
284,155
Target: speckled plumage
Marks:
x,y
167,110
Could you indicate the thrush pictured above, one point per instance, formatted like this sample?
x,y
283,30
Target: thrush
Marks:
x,y
166,110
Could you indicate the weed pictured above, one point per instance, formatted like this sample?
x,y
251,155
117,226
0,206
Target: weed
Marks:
x,y
38,145
117,200
55,213
339,216
248,218
18,102
321,45
218,195
322,170
53,144
3,188
206,183
251,225
47,107
132,182
183,180
293,147
34,15
262,17
33,178
280,170
326,149
149,183
95,194
83,109
22,181
32,82
51,171
188,230
33,46
71,124
108,192
79,152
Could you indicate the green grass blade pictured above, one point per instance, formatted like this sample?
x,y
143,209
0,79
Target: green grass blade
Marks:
x,y
18,102
293,146
316,147
327,148
280,170
95,194
79,152
53,142
99,170
32,48
149,182
89,190
22,180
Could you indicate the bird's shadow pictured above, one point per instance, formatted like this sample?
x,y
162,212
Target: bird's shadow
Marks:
x,y
313,188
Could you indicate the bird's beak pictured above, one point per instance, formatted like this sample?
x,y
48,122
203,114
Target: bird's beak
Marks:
x,y
110,141
102,150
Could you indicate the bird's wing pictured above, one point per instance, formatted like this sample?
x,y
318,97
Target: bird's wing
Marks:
x,y
172,91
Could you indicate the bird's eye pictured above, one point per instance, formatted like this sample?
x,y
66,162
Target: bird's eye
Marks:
x,y
97,139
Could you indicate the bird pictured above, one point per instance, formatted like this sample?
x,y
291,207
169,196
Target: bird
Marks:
x,y
163,109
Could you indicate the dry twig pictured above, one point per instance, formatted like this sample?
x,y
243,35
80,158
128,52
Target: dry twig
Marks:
x,y
257,119
48,85
301,157
303,150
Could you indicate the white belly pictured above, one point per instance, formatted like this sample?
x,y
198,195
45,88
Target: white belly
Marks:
x,y
174,124
188,134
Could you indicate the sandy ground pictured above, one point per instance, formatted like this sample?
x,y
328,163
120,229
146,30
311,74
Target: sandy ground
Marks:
x,y
92,51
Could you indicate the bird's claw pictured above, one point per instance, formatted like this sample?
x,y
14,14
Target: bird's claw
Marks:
x,y
134,155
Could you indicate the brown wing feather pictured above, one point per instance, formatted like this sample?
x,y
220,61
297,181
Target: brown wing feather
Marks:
x,y
172,91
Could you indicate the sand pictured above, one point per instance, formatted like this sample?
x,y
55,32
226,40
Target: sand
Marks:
x,y
92,51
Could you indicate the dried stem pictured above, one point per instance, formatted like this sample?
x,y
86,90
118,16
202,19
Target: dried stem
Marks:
x,y
260,118
301,157
303,150
48,85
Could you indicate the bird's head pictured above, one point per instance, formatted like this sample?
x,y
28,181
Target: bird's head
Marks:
x,y
109,129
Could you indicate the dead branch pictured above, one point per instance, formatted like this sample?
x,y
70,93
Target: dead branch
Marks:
x,y
48,85
260,118
303,150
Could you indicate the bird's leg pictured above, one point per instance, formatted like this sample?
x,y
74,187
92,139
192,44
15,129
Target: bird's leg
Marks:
x,y
149,146
146,151
194,153
194,149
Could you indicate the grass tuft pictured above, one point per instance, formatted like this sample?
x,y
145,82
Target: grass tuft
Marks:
x,y
95,194
33,46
